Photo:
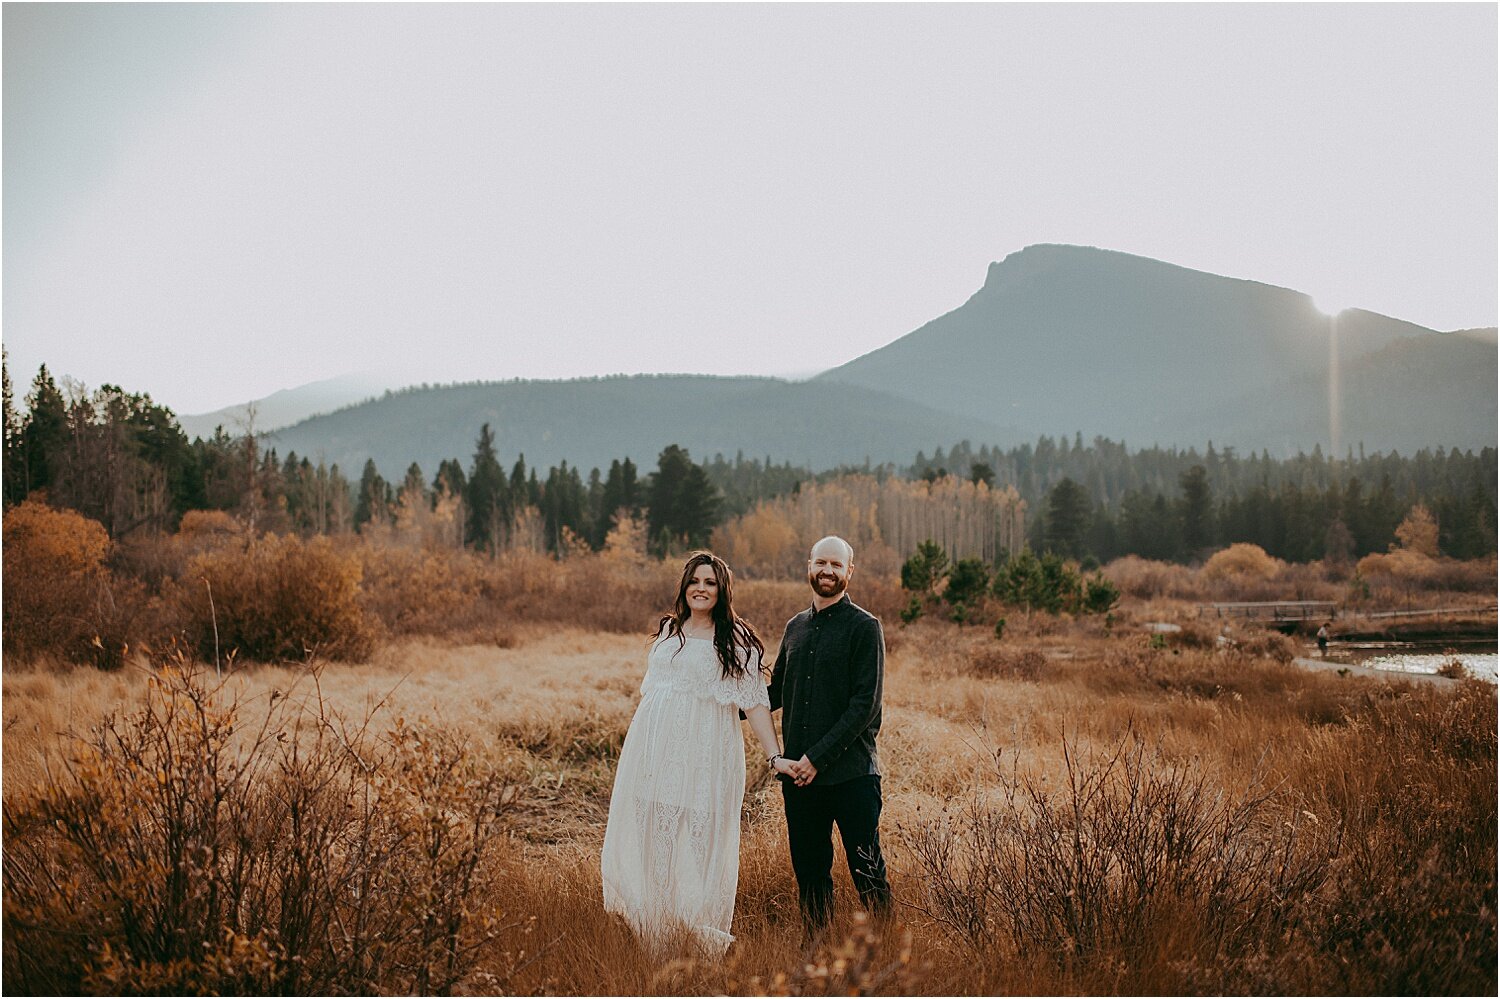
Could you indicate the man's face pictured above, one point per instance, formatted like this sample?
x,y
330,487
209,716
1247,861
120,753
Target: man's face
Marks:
x,y
828,568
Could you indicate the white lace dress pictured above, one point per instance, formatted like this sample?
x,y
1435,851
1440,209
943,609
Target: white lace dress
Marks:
x,y
672,844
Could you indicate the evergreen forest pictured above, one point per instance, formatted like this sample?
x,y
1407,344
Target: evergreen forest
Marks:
x,y
122,460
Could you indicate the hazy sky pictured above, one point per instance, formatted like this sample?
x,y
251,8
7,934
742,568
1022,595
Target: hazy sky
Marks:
x,y
209,203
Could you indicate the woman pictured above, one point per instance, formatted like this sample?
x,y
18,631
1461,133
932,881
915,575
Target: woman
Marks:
x,y
671,855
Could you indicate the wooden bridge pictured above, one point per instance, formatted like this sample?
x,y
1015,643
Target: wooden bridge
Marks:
x,y
1274,610
1319,610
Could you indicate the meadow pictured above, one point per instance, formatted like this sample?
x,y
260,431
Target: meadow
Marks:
x,y
1079,806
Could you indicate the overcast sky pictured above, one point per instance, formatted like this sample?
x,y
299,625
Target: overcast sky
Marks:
x,y
210,203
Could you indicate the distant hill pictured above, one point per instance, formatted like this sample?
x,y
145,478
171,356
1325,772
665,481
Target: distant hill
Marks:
x,y
589,422
1416,392
1065,338
282,409
1059,339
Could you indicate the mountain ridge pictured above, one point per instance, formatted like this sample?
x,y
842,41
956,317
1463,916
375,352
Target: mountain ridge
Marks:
x,y
581,421
1062,336
1058,339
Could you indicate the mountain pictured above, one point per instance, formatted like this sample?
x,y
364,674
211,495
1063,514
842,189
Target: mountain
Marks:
x,y
1059,339
589,422
282,409
1066,338
1416,392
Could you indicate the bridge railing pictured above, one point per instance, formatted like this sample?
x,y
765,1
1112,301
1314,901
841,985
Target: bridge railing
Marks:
x,y
1273,610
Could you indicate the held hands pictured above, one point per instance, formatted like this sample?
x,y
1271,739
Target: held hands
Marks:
x,y
800,771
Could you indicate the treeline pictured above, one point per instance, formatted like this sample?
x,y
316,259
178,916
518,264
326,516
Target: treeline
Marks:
x,y
122,460
1101,501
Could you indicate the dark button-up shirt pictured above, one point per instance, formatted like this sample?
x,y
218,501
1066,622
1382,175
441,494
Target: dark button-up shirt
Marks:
x,y
827,682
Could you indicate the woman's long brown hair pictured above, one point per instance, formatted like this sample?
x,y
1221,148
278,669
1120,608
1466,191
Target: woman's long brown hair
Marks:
x,y
730,630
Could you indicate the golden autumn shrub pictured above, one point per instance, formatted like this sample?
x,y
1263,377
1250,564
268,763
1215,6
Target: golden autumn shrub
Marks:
x,y
1404,572
154,558
55,579
417,591
201,845
1403,567
208,524
598,593
1242,561
1146,579
277,598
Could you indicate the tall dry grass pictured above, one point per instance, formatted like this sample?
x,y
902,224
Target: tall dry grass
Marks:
x,y
191,845
1073,809
1080,807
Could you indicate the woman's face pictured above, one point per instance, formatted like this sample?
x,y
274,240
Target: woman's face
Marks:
x,y
702,589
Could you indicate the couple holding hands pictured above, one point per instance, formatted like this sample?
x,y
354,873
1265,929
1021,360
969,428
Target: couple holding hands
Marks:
x,y
671,845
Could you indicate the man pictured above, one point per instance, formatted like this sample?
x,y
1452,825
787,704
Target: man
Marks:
x,y
827,682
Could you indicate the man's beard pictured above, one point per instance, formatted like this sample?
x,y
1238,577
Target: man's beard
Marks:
x,y
827,587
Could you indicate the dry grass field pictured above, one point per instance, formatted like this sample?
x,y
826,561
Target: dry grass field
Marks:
x,y
1079,807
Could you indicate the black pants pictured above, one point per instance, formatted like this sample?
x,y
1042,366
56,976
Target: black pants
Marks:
x,y
811,813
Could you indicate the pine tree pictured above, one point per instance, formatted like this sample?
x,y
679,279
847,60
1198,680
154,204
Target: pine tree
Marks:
x,y
621,497
487,496
925,569
449,480
374,500
684,504
517,477
1068,517
45,431
562,505
1196,510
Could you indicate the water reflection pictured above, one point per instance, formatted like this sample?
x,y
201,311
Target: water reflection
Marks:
x,y
1478,657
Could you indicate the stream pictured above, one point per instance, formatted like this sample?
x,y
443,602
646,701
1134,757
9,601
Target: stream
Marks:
x,y
1478,655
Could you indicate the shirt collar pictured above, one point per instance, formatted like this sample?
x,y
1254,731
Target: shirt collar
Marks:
x,y
841,602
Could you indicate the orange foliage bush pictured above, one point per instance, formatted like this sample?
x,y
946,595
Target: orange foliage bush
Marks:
x,y
1403,567
208,523
1242,561
194,847
278,598
55,579
1146,579
156,558
150,558
414,591
1240,572
602,594
1406,571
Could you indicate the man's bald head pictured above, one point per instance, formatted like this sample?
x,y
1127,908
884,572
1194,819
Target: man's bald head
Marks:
x,y
831,544
828,567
